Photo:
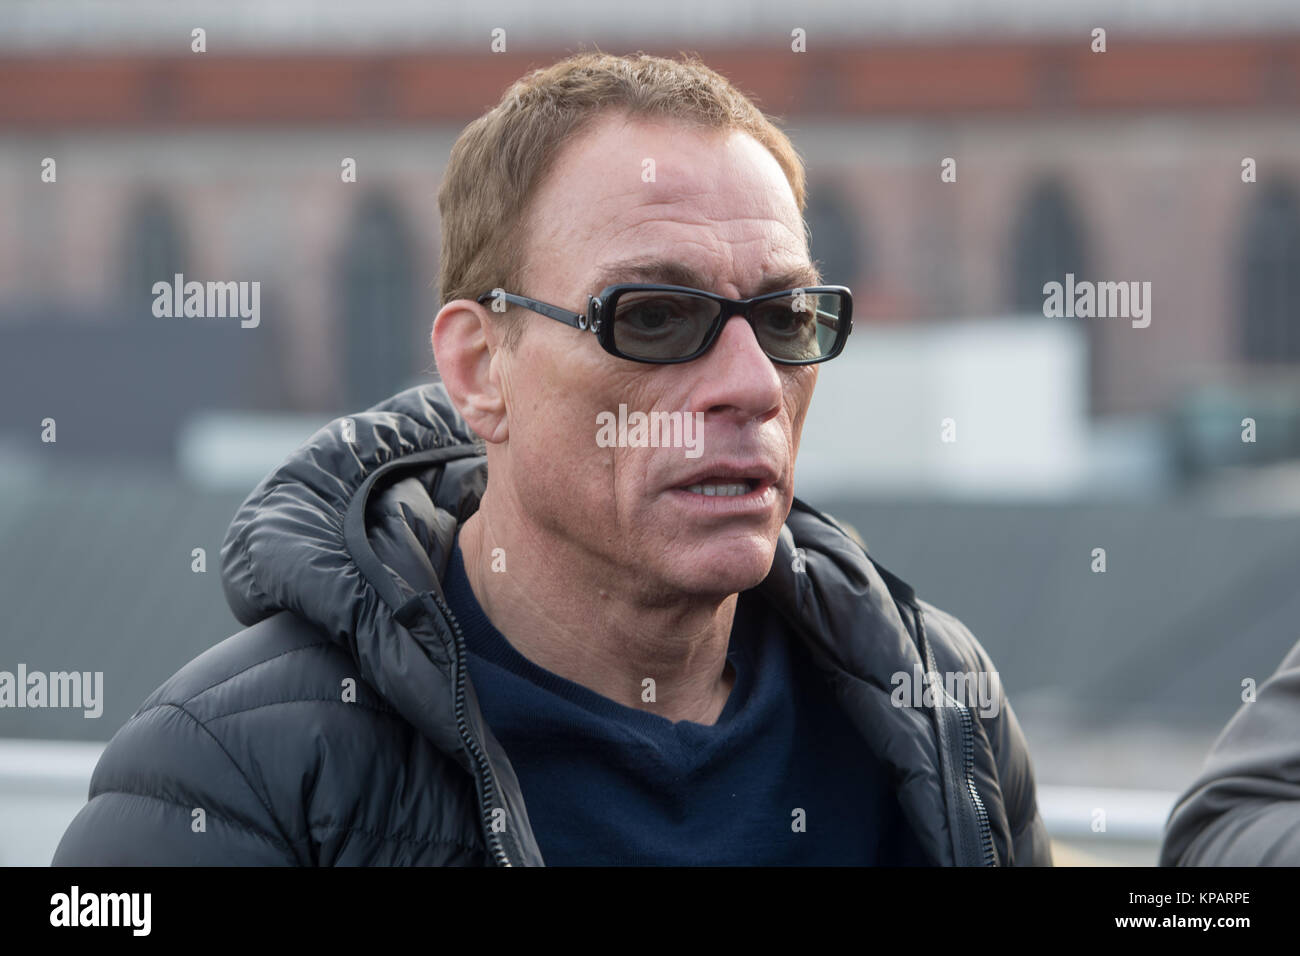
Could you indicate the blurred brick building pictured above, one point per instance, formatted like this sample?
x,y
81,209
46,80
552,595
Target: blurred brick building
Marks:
x,y
1122,165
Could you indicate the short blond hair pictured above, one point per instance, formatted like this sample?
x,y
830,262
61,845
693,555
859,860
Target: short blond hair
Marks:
x,y
500,160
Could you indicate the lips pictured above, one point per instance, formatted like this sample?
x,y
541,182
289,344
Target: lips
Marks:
x,y
754,475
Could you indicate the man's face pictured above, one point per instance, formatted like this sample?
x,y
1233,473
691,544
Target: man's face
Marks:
x,y
719,208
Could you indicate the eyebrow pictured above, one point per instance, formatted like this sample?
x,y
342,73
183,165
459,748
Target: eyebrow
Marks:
x,y
672,272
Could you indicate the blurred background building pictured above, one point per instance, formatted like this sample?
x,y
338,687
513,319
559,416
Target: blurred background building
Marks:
x,y
1072,433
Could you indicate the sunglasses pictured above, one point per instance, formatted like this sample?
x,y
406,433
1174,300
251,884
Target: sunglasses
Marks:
x,y
667,324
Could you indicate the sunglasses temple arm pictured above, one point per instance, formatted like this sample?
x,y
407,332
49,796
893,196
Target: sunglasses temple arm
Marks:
x,y
562,315
828,320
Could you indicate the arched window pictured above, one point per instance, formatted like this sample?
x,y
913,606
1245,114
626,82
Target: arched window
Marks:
x,y
377,294
836,244
1268,276
153,250
1047,243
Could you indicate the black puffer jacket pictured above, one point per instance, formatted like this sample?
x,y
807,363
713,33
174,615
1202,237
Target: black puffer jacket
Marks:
x,y
334,563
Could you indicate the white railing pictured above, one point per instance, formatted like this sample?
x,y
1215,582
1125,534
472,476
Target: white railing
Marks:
x,y
43,784
1105,814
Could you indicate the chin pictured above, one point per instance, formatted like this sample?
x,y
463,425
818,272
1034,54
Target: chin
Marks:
x,y
725,568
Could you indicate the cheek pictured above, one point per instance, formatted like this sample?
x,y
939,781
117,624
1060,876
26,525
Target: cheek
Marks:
x,y
554,471
799,391
562,476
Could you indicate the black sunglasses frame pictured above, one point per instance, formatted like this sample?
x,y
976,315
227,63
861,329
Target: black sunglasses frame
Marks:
x,y
606,303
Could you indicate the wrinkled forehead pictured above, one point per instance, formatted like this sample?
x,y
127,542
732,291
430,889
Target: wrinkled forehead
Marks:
x,y
714,200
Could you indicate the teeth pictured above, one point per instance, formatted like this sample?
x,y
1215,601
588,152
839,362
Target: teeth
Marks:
x,y
719,490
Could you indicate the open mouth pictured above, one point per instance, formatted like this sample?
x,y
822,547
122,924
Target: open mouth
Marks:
x,y
723,488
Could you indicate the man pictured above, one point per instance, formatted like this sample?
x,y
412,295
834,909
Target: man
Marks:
x,y
617,650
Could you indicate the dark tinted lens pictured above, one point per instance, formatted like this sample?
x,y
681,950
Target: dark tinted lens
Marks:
x,y
661,325
799,326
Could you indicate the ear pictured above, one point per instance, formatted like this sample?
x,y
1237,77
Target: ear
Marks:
x,y
467,349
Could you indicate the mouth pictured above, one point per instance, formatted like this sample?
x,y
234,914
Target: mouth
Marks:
x,y
730,488
722,488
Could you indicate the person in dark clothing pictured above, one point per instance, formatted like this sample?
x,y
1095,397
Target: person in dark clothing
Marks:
x,y
562,607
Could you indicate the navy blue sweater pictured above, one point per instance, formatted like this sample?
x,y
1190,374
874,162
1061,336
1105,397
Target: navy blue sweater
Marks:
x,y
606,784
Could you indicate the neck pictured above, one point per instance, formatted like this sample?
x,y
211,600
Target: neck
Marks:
x,y
570,612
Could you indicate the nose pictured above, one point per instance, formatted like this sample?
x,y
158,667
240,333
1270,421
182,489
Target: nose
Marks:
x,y
738,378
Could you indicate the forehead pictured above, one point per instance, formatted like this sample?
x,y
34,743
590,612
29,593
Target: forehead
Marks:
x,y
714,202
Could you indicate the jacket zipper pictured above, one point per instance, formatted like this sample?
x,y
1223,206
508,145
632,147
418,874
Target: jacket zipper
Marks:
x,y
486,778
373,570
968,749
988,854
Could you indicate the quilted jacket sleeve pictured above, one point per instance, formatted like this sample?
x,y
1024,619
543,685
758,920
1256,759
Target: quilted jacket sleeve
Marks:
x,y
1244,808
1029,839
1030,842
166,793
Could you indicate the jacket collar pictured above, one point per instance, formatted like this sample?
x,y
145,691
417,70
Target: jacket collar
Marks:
x,y
353,533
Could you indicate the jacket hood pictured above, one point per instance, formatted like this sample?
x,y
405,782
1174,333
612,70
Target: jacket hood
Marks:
x,y
349,528
286,548
356,525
